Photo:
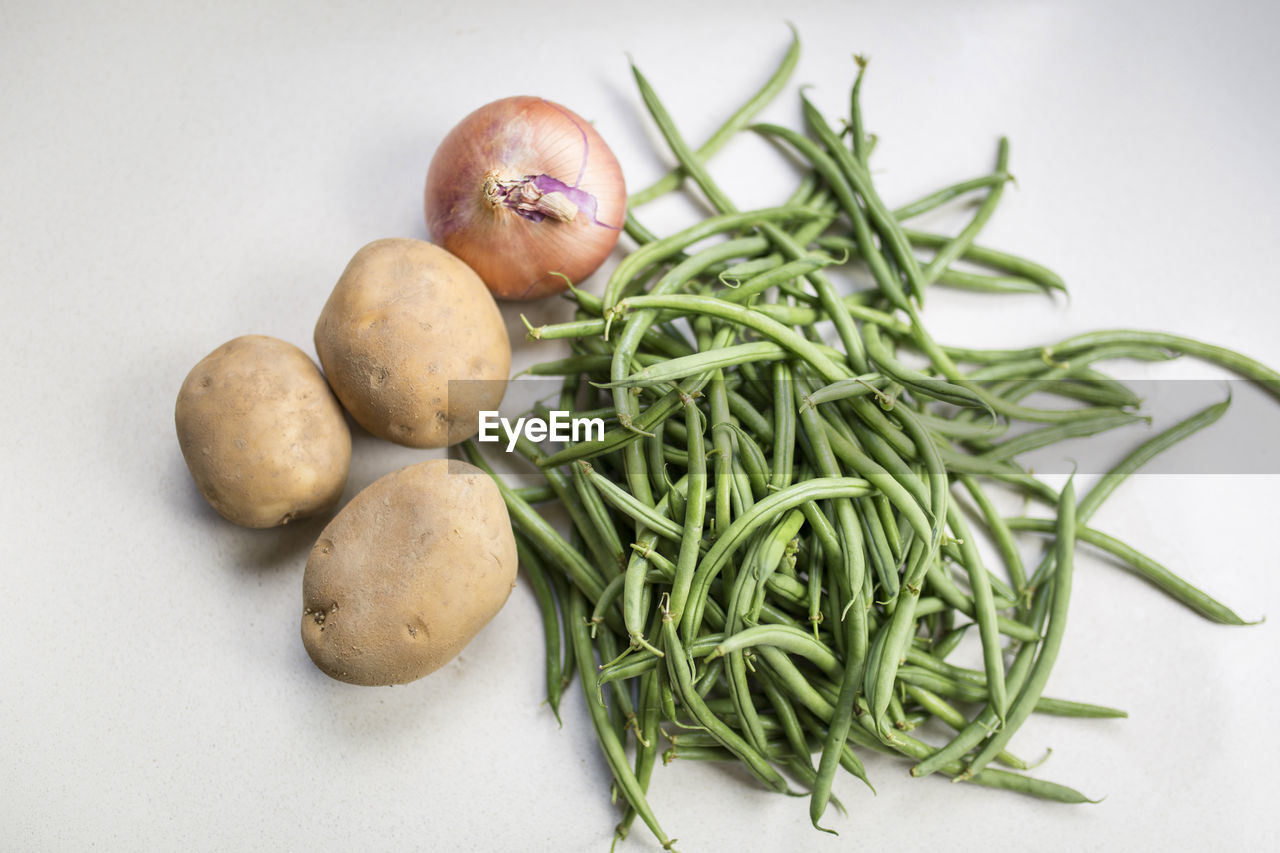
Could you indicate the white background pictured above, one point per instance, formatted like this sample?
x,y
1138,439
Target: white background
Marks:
x,y
176,174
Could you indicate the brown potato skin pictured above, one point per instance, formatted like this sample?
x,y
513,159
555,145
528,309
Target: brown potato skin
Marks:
x,y
407,574
405,318
262,434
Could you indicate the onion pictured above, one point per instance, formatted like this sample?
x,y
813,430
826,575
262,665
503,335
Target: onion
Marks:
x,y
528,194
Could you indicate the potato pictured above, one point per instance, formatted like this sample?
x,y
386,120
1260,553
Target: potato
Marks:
x,y
262,434
407,573
413,344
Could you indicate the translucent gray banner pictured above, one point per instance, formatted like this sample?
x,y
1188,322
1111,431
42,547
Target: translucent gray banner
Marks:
x,y
1083,427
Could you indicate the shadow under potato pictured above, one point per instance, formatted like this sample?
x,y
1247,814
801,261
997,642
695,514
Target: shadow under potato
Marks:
x,y
275,548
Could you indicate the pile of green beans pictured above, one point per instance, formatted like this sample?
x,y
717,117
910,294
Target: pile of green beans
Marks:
x,y
772,551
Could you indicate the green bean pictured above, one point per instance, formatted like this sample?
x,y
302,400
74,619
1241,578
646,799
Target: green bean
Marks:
x,y
795,684
1040,788
589,328
895,634
621,709
684,739
936,199
985,613
982,725
655,446
750,417
1000,531
969,686
994,402
841,720
1024,704
636,231
621,500
568,663
955,247
1044,366
688,161
762,281
914,380
1176,587
535,494
784,427
946,644
858,386
635,592
860,144
831,303
828,165
791,640
609,743
667,247
935,475
534,570
793,315
541,533
617,439
640,661
682,679
993,258
1146,452
787,721
878,549
1068,708
749,721
634,464
786,589
647,730
983,283
887,227
722,443
1005,472
906,745
1230,359
747,318
818,488
946,590
815,598
807,190
750,268
1140,456
598,529
599,537
759,574
724,206
1086,386
849,572
608,597
736,122
929,605
1030,278
887,483
943,710
701,362
889,523
773,551
691,532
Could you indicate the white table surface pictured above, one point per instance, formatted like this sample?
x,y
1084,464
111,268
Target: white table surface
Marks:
x,y
176,174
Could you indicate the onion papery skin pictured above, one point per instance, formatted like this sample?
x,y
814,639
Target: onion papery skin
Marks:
x,y
517,149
